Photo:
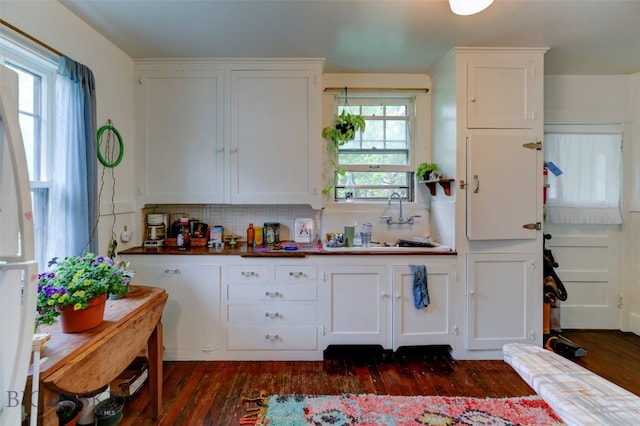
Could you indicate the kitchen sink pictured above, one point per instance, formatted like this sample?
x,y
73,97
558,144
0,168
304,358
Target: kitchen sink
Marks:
x,y
398,246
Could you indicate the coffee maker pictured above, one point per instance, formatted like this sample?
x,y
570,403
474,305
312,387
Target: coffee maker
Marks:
x,y
156,229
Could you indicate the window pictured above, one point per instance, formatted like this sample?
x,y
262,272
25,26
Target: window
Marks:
x,y
588,190
380,159
36,94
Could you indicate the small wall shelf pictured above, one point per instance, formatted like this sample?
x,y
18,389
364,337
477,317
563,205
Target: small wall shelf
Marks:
x,y
445,183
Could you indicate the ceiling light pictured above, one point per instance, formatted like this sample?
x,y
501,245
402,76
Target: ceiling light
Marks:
x,y
469,7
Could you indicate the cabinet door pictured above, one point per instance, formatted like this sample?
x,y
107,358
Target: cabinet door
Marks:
x,y
430,325
504,304
180,136
191,318
275,145
355,301
503,183
503,92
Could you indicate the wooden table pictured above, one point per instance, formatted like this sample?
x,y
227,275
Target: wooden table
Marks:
x,y
80,363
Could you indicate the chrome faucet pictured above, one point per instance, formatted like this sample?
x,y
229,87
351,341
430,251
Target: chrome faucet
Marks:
x,y
401,219
399,197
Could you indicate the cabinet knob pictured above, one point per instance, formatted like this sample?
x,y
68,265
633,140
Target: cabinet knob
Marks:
x,y
384,295
273,293
296,274
473,99
172,271
234,150
472,293
398,296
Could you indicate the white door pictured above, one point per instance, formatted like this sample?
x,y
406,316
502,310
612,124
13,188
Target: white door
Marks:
x,y
502,187
426,326
355,301
589,267
504,304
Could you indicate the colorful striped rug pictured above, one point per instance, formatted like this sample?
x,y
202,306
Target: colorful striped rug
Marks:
x,y
386,410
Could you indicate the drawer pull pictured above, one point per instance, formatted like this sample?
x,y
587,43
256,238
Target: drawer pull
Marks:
x,y
272,337
249,274
273,294
172,271
272,315
296,274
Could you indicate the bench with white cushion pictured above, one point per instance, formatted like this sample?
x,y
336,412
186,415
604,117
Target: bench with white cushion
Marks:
x,y
577,395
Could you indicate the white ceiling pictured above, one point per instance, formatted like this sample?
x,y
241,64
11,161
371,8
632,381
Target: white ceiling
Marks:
x,y
386,36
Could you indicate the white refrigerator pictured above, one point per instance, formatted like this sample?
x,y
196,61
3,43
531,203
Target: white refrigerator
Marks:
x,y
18,269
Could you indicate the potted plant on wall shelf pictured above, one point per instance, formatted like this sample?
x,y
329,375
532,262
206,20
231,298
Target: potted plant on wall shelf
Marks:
x,y
76,288
424,170
343,130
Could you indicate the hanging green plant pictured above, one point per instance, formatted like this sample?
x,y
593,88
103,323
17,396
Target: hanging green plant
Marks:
x,y
344,130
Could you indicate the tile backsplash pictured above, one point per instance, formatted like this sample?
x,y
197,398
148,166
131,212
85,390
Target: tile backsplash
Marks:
x,y
236,218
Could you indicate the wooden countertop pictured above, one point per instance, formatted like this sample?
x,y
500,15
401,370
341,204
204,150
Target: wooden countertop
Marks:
x,y
242,250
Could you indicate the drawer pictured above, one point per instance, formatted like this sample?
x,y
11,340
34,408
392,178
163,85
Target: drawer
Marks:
x,y
272,292
273,314
265,338
293,273
253,273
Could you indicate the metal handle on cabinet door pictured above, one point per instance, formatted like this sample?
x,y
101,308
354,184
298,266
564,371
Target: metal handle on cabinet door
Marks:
x,y
272,315
398,296
296,274
472,293
477,189
384,295
272,337
272,293
249,274
172,271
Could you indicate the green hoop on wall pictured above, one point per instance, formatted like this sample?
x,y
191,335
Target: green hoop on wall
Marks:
x,y
121,146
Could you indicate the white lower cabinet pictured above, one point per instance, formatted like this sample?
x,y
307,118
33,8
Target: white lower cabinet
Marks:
x,y
431,325
504,304
191,326
355,300
271,310
252,308
374,305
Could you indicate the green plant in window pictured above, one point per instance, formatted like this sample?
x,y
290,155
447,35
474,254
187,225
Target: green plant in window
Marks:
x,y
343,130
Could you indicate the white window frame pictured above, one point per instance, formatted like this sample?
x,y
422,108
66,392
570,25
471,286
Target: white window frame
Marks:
x,y
408,191
18,51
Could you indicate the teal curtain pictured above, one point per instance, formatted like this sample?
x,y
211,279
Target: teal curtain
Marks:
x,y
74,202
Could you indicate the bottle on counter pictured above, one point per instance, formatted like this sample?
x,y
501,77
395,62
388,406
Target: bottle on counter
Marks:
x,y
251,235
349,189
183,239
258,235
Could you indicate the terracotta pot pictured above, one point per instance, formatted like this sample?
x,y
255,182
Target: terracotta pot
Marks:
x,y
92,316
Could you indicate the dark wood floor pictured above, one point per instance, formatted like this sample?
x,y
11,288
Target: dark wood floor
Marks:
x,y
210,393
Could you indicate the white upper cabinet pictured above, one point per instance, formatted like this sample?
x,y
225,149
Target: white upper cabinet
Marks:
x,y
503,177
503,91
180,144
275,136
229,132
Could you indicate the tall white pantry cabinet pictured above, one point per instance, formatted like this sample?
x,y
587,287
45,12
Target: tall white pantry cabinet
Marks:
x,y
498,205
218,131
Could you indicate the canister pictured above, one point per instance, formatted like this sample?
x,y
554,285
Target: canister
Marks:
x,y
259,238
271,233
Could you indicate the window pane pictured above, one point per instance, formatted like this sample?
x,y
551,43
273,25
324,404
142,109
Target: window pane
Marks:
x,y
27,128
376,185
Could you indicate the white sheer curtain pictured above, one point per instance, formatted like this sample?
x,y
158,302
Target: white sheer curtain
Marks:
x,y
588,191
74,191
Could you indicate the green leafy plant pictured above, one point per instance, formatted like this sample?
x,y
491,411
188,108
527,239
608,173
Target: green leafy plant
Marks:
x,y
76,280
343,130
424,169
